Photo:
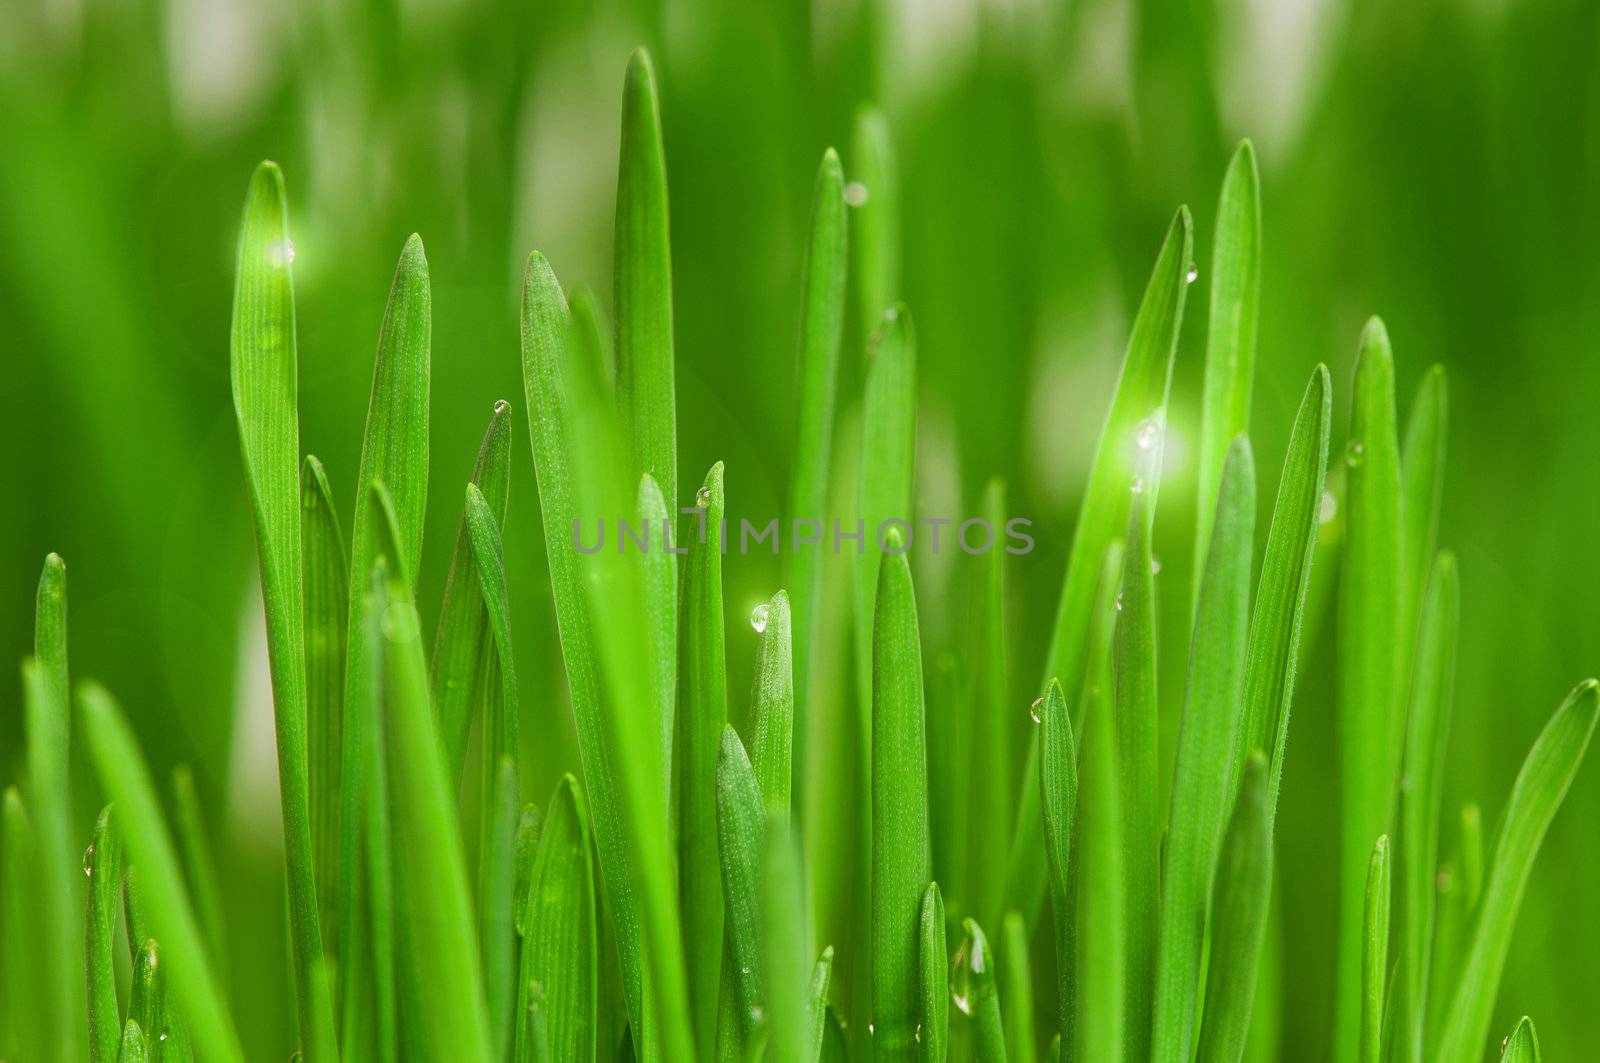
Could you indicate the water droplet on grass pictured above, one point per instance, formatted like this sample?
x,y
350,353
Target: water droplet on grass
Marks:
x,y
1137,486
855,194
1146,432
1355,453
758,617
702,497
1328,507
1036,710
1192,275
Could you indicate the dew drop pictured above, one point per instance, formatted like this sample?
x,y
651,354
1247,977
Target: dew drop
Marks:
x,y
88,861
757,1013
917,1033
1137,486
891,314
281,252
1146,432
855,194
702,498
745,969
1328,507
163,1036
400,622
1192,275
961,980
758,617
1155,566
872,1028
1355,453
1036,710
1119,603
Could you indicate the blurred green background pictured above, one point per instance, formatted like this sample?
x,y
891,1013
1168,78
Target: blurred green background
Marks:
x,y
1434,163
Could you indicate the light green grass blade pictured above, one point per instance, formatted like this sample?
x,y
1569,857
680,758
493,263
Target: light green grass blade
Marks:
x,y
817,1003
988,735
1058,775
1421,782
874,192
974,990
593,333
463,639
1368,665
123,775
821,321
739,831
1141,396
783,937
933,976
497,901
772,704
25,1033
199,868
556,918
1230,333
500,740
1275,624
702,712
1540,787
1016,990
1239,899
643,276
325,584
135,1046
1523,1044
1421,494
103,866
659,640
1207,750
1375,951
264,372
901,867
1460,885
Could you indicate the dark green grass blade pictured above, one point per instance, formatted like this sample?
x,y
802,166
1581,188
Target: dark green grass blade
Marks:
x,y
325,583
497,933
103,866
556,918
1016,990
148,988
264,370
785,969
772,704
739,829
933,976
990,736
1421,781
658,644
1058,775
464,635
124,777
1141,395
976,994
1460,885
901,869
199,869
1375,951
1230,333
874,219
1275,624
1239,900
1368,630
1207,750
821,320
1421,494
500,740
1538,792
702,712
835,1048
1523,1044
25,1034
817,1003
643,275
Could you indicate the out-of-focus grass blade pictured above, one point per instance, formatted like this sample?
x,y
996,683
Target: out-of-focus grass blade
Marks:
x,y
556,918
325,584
643,275
463,638
901,869
1537,794
817,1003
1207,750
1058,775
124,777
1375,951
821,319
739,827
660,636
1460,885
497,881
1230,332
1421,492
1239,899
593,334
702,712
1016,990
933,976
1523,1044
103,866
264,371
1421,781
1285,576
25,1034
874,196
975,993
1137,409
772,703
1368,630
835,1048
785,971
987,742
200,870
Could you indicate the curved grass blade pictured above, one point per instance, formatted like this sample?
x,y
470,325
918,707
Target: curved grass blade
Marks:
x,y
263,363
817,1003
933,976
783,938
200,870
25,1033
103,865
1275,625
1460,885
702,712
901,868
874,192
1540,787
1141,395
1523,1044
991,736
974,991
739,830
643,272
772,704
1016,990
1368,631
1240,896
556,918
1375,951
123,774
325,584
1207,749
1058,775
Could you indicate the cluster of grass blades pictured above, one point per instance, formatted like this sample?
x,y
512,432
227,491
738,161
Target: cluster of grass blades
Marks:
x,y
665,907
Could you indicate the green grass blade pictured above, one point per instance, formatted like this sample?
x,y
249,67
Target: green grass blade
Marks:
x,y
103,866
24,1033
660,635
785,970
933,976
874,191
1275,625
989,734
817,1003
1421,783
1141,395
148,987
901,869
1230,333
1523,1044
556,918
1207,750
1016,990
772,703
135,1046
325,584
1375,951
1239,897
1421,494
1460,884
702,712
739,830
975,993
1540,787
497,881
593,334
1058,775
1368,631
500,740
464,637
123,775
264,372
643,276
200,870
835,1047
